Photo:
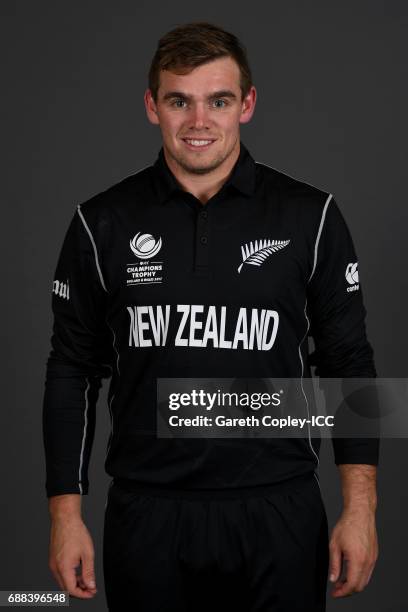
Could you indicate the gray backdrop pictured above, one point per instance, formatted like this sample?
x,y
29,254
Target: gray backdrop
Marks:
x,y
332,87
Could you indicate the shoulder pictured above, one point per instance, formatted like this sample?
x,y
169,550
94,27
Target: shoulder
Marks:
x,y
95,213
121,192
293,191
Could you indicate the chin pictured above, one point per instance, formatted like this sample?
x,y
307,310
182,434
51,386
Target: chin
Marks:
x,y
201,164
200,167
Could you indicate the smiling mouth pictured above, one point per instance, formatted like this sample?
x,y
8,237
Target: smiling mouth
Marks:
x,y
198,143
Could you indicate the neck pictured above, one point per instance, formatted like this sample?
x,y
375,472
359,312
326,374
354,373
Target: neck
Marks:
x,y
203,186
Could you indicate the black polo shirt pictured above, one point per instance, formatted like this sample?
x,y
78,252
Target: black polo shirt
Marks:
x,y
152,283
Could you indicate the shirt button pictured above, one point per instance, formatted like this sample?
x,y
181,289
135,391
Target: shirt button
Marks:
x,y
204,214
203,239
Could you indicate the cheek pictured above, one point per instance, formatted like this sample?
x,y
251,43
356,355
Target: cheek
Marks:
x,y
169,124
230,124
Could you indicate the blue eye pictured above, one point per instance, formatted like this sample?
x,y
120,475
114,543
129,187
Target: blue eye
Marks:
x,y
223,103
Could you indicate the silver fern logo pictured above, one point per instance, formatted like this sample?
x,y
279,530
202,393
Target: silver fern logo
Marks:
x,y
145,246
256,252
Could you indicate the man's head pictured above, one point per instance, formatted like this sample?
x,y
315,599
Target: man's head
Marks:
x,y
200,90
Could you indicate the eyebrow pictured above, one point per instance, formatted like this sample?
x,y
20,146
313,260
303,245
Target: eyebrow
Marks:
x,y
223,93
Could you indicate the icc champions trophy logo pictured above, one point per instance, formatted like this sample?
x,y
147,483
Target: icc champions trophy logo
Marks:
x,y
145,246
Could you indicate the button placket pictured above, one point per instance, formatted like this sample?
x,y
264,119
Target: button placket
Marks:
x,y
202,241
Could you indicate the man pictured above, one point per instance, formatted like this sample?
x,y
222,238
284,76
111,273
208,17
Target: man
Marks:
x,y
145,265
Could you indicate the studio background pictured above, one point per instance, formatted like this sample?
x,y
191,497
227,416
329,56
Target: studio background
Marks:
x,y
332,100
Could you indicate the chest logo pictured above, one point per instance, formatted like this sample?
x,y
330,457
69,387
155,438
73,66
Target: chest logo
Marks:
x,y
145,246
256,252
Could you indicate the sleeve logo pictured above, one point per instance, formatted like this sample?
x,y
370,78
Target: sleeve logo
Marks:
x,y
352,276
256,253
61,289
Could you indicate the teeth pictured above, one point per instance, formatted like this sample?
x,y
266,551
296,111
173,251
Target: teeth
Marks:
x,y
198,143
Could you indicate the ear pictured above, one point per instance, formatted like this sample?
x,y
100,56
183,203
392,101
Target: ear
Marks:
x,y
248,105
151,108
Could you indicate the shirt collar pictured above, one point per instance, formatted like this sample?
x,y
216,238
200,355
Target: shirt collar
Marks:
x,y
242,176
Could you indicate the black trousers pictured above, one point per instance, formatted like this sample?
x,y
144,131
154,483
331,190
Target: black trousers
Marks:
x,y
256,550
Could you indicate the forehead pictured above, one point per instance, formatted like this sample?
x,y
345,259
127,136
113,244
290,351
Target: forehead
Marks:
x,y
219,74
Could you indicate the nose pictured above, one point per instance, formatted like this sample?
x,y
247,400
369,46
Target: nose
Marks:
x,y
199,117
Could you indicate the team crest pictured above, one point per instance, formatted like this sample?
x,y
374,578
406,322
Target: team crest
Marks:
x,y
255,253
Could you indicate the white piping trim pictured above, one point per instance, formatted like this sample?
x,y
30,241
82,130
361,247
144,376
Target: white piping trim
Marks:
x,y
317,480
319,234
136,172
107,494
111,420
330,196
94,246
114,346
113,396
90,234
117,352
83,435
303,390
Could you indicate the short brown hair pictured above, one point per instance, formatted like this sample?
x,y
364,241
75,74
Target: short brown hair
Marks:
x,y
193,44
